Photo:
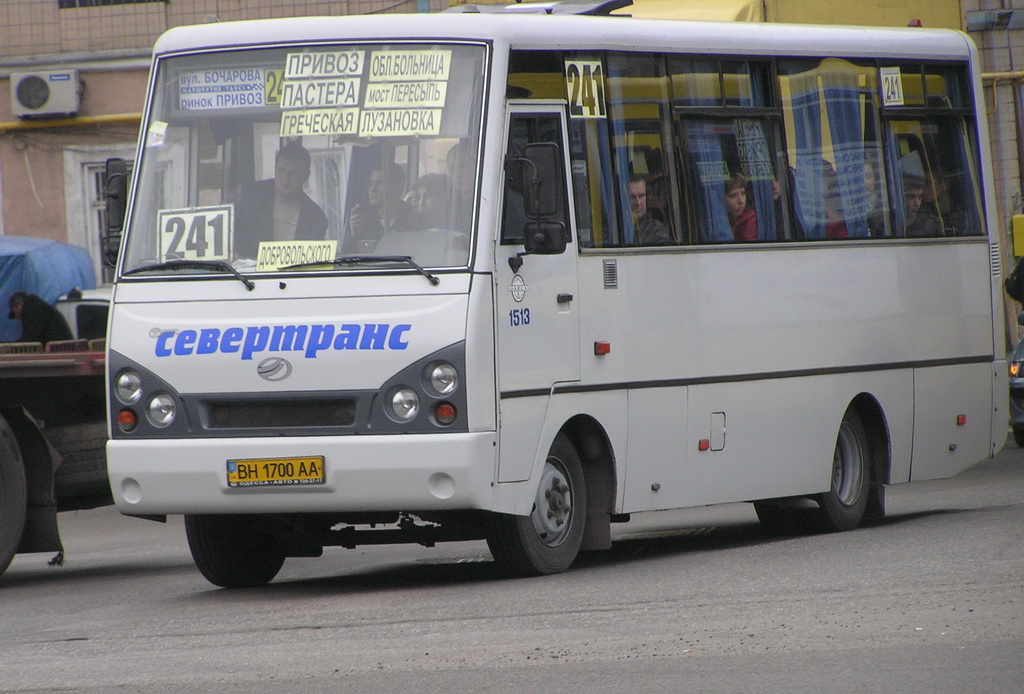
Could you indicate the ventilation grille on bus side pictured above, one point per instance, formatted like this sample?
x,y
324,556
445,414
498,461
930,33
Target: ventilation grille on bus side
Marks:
x,y
611,274
997,263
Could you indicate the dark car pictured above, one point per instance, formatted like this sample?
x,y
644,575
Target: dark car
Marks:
x,y
1017,394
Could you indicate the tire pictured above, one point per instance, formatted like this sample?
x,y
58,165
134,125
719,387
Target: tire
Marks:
x,y
1018,436
233,551
842,506
548,540
13,496
83,471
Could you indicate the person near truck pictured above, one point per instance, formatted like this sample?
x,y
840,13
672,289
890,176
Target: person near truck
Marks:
x,y
40,322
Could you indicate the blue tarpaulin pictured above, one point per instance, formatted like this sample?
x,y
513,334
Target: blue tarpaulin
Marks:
x,y
46,268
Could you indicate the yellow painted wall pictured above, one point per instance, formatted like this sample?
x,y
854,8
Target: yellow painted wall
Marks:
x,y
935,14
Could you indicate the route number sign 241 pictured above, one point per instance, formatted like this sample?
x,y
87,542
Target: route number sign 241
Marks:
x,y
196,234
584,85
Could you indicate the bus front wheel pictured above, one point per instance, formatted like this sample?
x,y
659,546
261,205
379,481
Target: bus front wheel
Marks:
x,y
548,540
233,551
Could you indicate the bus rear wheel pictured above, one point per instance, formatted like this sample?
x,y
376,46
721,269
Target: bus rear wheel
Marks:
x,y
548,540
842,506
13,496
233,551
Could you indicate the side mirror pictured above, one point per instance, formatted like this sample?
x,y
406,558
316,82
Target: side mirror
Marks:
x,y
542,179
545,238
116,194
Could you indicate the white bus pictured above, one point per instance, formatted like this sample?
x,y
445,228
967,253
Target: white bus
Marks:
x,y
515,276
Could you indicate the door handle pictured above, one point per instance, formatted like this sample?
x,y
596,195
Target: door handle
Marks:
x,y
564,298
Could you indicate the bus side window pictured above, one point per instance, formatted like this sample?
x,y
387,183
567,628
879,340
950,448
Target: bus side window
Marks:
x,y
729,163
639,94
938,167
834,148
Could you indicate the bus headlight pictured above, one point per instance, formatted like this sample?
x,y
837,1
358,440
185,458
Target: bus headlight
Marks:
x,y
161,410
444,378
405,404
129,387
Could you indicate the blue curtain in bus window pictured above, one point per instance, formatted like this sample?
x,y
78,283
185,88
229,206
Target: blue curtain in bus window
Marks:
x,y
843,104
622,182
710,173
607,183
759,166
756,158
809,169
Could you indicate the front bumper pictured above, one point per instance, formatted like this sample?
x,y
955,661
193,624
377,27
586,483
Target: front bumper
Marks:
x,y
363,473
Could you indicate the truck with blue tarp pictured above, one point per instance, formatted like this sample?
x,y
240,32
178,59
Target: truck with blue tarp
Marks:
x,y
52,429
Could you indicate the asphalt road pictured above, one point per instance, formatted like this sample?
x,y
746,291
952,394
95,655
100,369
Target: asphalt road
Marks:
x,y
930,599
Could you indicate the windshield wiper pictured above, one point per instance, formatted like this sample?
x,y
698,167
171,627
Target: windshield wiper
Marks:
x,y
181,264
357,259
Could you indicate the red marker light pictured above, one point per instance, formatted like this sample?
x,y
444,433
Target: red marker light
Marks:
x,y
126,420
602,348
704,445
445,413
961,419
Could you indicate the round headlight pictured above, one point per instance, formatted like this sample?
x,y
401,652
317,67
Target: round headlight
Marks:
x,y
129,387
161,410
405,404
444,378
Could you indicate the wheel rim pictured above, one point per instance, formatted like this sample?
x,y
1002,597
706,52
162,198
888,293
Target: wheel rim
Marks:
x,y
847,467
552,509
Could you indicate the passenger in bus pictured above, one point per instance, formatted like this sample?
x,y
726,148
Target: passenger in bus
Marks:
x,y
384,209
657,197
835,219
278,209
919,223
429,200
943,203
647,230
742,218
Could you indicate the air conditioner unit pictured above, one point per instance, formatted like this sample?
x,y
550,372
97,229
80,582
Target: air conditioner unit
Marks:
x,y
45,93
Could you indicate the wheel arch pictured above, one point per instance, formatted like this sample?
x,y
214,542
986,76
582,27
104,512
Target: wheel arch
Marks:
x,y
876,427
598,460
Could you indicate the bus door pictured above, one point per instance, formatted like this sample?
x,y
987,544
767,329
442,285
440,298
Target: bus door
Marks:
x,y
537,303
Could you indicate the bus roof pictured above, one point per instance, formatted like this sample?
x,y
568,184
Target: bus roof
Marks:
x,y
541,31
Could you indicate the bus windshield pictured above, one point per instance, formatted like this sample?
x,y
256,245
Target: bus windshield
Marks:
x,y
272,160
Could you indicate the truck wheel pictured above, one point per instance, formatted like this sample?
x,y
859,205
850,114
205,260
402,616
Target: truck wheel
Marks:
x,y
842,506
83,471
548,540
233,551
13,496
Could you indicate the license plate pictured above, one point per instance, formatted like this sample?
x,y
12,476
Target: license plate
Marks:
x,y
276,472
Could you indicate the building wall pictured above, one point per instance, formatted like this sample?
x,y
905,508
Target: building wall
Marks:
x,y
47,181
931,13
1002,56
